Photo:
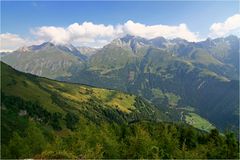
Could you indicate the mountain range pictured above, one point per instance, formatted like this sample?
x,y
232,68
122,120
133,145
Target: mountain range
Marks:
x,y
183,79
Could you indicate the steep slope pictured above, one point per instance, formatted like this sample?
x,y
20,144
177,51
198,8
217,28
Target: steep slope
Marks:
x,y
47,59
46,119
176,74
224,49
218,55
87,51
58,96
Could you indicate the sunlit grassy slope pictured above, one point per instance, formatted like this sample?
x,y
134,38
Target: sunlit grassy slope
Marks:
x,y
79,93
57,96
198,122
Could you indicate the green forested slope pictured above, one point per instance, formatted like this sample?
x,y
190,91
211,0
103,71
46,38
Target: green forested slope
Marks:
x,y
42,118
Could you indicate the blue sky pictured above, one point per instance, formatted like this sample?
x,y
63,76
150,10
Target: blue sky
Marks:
x,y
21,17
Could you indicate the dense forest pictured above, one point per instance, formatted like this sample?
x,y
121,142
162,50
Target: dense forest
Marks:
x,y
30,131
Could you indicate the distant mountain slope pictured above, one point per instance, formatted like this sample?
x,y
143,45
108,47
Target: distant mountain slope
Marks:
x,y
87,51
170,73
225,50
46,60
217,55
172,82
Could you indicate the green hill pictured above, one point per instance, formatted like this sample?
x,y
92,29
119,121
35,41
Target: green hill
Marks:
x,y
47,119
61,97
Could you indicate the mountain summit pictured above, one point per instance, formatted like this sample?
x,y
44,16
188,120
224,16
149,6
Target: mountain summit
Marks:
x,y
47,59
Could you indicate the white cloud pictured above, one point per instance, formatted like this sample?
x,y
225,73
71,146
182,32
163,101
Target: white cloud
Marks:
x,y
91,30
86,33
230,26
96,35
10,42
153,31
51,33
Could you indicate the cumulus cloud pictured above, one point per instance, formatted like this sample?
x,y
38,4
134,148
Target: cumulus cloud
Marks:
x,y
51,33
10,42
230,26
87,33
96,35
154,31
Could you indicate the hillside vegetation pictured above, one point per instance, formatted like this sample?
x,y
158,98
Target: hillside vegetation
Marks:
x,y
47,119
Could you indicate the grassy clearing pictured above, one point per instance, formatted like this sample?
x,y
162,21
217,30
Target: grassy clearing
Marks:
x,y
123,102
157,93
42,90
81,93
198,122
187,108
172,99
